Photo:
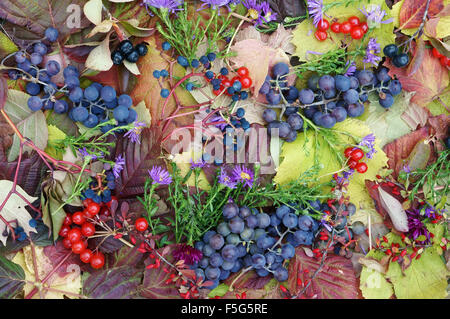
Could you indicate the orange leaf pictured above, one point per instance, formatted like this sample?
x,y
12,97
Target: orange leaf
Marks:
x,y
429,81
412,11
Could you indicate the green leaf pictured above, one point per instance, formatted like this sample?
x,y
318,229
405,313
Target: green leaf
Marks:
x,y
6,45
220,291
373,285
12,278
30,124
54,136
426,278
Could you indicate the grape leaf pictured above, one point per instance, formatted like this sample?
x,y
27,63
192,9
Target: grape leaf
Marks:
x,y
412,11
336,279
12,278
66,282
36,15
428,82
249,280
139,158
30,124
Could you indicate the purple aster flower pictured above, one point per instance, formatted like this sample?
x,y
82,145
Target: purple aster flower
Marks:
x,y
368,142
351,68
375,15
169,5
134,133
406,169
324,221
315,10
226,180
259,12
373,47
221,122
417,227
198,164
160,176
189,254
83,152
118,166
214,4
243,175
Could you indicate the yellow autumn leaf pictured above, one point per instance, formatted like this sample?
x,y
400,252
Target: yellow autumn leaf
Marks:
x,y
54,136
299,155
57,285
183,162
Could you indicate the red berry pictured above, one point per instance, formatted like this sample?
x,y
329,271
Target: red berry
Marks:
x,y
93,208
64,231
87,201
67,220
361,167
242,71
141,224
113,198
320,35
86,255
336,27
364,26
357,33
356,154
352,163
74,235
354,20
346,27
436,53
246,82
78,247
105,211
226,83
88,229
348,151
97,260
323,25
217,92
444,60
67,243
78,218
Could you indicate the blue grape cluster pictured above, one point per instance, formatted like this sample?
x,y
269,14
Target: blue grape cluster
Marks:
x,y
97,104
101,187
327,99
248,239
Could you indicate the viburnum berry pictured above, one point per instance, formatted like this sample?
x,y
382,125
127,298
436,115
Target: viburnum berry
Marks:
x,y
323,25
320,35
86,255
87,201
444,60
74,235
246,82
361,167
364,26
352,163
67,243
78,247
67,220
97,260
78,218
354,20
436,53
88,229
64,231
113,198
141,224
346,27
348,151
93,208
356,33
356,154
336,27
242,71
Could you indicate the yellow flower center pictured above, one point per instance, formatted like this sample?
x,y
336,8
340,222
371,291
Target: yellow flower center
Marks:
x,y
253,14
245,176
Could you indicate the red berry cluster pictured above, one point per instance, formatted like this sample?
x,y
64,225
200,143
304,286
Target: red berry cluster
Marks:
x,y
243,77
77,228
354,155
442,58
352,26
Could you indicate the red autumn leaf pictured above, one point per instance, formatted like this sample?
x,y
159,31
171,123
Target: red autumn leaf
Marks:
x,y
336,279
412,12
429,81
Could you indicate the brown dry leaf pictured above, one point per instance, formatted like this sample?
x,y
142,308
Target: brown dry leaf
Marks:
x,y
395,210
415,116
373,264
